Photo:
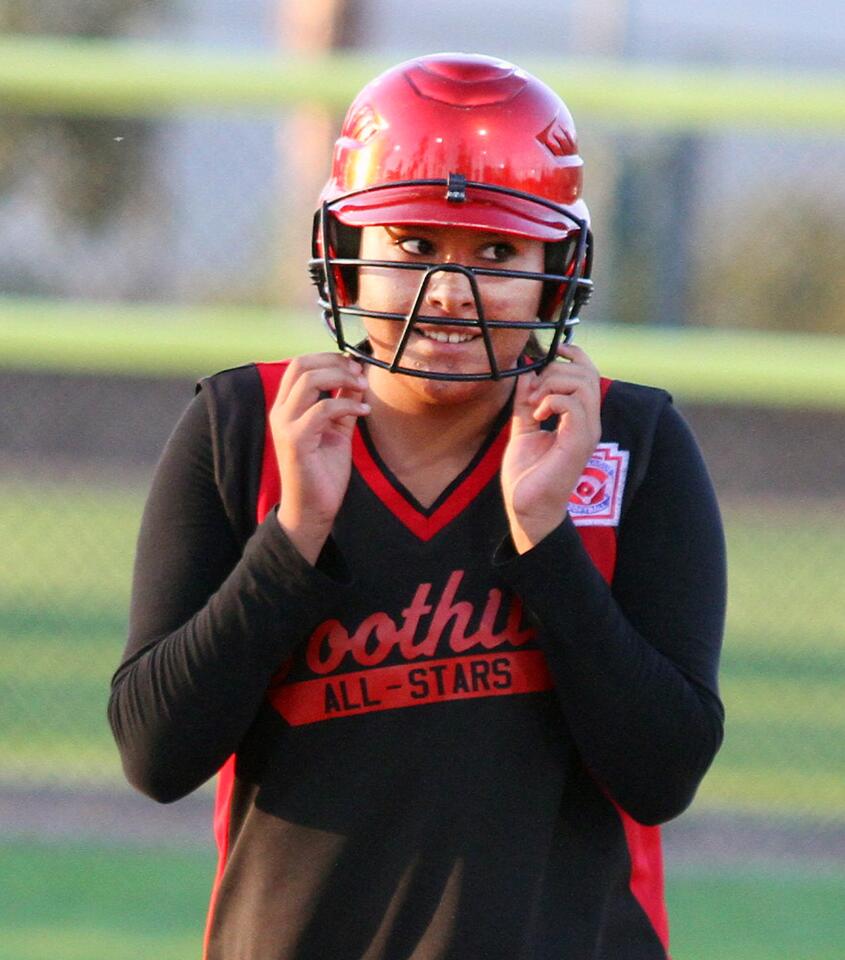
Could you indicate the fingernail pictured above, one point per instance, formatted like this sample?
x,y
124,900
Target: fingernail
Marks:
x,y
364,407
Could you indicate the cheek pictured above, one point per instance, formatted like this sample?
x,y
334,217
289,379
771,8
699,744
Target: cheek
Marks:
x,y
384,289
509,346
512,299
517,300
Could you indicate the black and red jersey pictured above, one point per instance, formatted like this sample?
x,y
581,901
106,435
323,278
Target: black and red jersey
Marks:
x,y
429,746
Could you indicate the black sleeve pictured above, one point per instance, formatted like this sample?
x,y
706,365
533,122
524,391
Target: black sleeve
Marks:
x,y
635,665
209,624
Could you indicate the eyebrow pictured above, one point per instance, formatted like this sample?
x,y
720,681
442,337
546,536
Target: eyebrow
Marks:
x,y
487,237
394,229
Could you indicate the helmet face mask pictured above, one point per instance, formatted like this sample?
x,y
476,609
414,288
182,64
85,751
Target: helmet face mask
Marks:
x,y
409,140
334,270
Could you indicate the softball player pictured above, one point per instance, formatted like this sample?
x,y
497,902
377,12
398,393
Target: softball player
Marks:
x,y
443,608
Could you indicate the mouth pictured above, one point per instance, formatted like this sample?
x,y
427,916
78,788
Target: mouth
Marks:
x,y
446,335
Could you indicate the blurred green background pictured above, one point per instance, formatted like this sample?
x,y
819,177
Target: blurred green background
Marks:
x,y
158,164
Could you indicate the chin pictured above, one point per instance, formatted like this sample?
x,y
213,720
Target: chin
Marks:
x,y
450,392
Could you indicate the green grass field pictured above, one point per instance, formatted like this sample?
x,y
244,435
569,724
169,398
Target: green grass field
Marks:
x,y
75,902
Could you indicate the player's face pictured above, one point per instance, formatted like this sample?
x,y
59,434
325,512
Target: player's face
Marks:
x,y
441,348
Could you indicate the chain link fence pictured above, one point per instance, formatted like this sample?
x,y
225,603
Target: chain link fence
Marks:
x,y
736,230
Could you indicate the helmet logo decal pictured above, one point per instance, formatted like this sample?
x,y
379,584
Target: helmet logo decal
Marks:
x,y
557,139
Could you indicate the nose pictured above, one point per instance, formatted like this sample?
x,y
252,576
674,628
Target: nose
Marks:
x,y
450,292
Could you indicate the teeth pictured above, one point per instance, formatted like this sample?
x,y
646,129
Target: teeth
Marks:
x,y
441,337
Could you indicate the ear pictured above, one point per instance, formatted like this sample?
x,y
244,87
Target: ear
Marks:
x,y
558,260
345,243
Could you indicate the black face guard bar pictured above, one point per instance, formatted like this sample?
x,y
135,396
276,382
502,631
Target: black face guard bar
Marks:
x,y
577,285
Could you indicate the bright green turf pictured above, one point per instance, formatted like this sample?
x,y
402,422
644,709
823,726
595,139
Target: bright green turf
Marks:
x,y
64,586
64,581
86,902
731,914
783,678
695,364
89,902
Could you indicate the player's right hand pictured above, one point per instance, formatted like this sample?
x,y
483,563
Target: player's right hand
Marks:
x,y
312,436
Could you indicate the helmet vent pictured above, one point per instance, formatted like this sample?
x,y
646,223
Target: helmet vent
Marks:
x,y
465,85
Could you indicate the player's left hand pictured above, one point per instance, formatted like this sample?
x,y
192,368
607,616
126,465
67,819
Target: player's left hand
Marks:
x,y
541,467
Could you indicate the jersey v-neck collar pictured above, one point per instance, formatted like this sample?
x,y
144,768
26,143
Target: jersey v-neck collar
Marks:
x,y
426,522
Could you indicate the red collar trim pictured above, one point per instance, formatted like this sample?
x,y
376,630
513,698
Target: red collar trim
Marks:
x,y
421,525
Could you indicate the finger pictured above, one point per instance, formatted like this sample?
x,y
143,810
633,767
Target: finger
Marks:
x,y
348,394
307,390
559,404
583,390
575,421
300,366
358,396
575,355
563,378
523,404
335,411
569,379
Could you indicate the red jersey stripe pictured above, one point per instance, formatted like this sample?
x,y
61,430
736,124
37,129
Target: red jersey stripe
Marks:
x,y
269,490
268,497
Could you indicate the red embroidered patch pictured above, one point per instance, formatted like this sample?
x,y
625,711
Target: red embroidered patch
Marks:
x,y
597,497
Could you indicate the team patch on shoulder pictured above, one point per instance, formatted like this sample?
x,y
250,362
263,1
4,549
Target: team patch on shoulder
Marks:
x,y
597,497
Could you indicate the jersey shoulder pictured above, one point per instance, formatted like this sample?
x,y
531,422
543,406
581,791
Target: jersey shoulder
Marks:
x,y
630,416
239,390
236,402
633,409
636,398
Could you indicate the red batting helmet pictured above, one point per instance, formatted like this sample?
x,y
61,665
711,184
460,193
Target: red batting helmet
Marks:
x,y
464,140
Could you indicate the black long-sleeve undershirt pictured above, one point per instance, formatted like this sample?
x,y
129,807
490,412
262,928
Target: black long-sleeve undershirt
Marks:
x,y
634,669
208,628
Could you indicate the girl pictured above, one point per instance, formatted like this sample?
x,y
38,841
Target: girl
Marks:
x,y
444,608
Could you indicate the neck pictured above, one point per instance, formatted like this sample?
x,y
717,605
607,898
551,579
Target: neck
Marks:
x,y
431,421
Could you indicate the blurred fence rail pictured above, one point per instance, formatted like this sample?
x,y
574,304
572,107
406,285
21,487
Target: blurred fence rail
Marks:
x,y
695,364
111,77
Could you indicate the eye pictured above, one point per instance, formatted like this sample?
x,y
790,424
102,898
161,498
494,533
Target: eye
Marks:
x,y
416,246
498,252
